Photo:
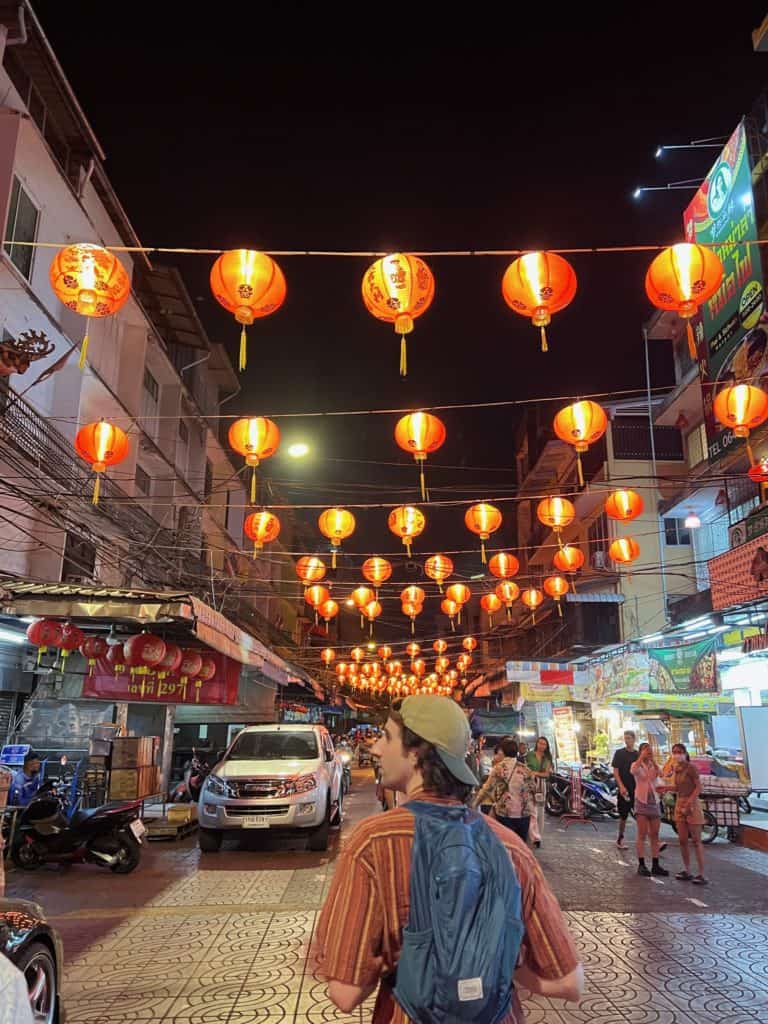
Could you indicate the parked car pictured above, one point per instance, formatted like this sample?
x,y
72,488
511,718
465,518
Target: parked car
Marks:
x,y
35,948
277,777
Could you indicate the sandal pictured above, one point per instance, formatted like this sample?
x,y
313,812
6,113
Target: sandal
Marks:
x,y
700,880
683,876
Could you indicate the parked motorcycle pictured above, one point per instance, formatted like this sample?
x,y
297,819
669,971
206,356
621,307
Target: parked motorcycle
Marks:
x,y
190,787
597,797
109,836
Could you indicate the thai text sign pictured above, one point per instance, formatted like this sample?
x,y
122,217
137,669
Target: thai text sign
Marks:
x,y
731,339
220,689
565,736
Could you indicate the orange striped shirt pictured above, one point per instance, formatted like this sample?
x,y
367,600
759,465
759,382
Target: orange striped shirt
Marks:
x,y
368,904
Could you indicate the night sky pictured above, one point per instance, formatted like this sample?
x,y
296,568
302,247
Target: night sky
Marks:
x,y
402,127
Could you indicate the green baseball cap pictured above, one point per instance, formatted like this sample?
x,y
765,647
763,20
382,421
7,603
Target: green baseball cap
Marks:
x,y
441,722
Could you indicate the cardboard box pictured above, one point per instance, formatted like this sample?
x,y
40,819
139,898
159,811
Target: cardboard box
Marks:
x,y
100,748
98,761
181,814
133,783
133,751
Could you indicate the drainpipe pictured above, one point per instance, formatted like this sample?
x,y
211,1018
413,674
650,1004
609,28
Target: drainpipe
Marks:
x,y
86,178
659,523
22,38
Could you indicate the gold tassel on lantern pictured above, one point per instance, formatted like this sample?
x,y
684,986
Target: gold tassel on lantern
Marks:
x,y
253,486
581,471
544,345
421,480
333,559
692,343
243,349
96,490
483,559
83,350
559,610
403,357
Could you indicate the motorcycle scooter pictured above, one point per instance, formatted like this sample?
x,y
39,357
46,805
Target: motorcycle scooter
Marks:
x,y
109,836
190,787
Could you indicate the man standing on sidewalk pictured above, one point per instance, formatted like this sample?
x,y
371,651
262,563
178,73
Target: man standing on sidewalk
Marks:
x,y
622,763
360,930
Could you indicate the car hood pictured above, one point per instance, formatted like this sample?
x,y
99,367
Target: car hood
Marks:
x,y
27,907
282,769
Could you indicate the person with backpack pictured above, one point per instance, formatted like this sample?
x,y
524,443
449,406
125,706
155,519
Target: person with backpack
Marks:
x,y
441,909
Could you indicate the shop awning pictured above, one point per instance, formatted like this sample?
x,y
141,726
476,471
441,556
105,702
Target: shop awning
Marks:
x,y
598,597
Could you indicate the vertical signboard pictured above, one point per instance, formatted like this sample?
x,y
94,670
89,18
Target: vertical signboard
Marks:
x,y
730,330
565,736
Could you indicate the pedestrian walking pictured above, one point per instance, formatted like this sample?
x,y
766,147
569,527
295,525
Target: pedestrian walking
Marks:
x,y
539,761
510,787
689,814
647,810
388,923
622,763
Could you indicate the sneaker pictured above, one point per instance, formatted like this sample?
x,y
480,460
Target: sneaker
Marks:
x,y
643,870
700,880
683,876
621,844
537,844
657,869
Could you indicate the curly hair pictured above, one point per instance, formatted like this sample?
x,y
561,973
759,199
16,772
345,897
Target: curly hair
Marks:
x,y
437,778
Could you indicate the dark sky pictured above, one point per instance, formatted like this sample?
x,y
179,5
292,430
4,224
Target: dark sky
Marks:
x,y
384,127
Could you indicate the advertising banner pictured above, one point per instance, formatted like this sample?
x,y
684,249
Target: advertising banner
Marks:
x,y
565,736
627,672
220,689
730,330
544,673
689,668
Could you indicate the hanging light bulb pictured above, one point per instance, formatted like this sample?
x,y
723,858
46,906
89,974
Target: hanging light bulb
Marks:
x,y
692,521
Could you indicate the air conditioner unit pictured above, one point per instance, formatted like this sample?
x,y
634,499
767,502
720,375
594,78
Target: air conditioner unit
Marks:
x,y
737,534
599,560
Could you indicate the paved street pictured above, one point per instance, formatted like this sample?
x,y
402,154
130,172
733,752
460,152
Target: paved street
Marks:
x,y
225,938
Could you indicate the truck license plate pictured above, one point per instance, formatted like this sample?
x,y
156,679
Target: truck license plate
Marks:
x,y
138,829
255,821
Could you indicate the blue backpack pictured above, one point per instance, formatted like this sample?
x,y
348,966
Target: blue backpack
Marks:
x,y
461,942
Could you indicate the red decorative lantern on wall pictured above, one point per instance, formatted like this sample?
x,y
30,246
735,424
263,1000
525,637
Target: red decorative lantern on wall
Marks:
x,y
71,639
482,519
101,444
261,528
538,284
420,433
191,665
93,648
170,661
205,675
115,658
255,438
44,633
682,278
250,285
91,281
397,289
143,653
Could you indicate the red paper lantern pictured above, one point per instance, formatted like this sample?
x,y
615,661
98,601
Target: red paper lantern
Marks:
x,y
71,639
115,658
568,558
503,565
248,284
482,519
101,444
191,665
438,568
682,278
581,424
406,522
420,433
385,653
44,633
624,550
397,289
623,505
310,569
469,643
205,675
538,284
327,655
143,652
255,438
93,648
759,472
532,598
336,524
170,661
490,604
377,570
262,528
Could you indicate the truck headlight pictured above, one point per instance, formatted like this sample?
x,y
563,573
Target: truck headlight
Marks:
x,y
216,786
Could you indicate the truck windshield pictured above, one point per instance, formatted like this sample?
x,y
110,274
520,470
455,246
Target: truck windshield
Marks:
x,y
275,746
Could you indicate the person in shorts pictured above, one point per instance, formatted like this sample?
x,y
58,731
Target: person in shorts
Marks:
x,y
647,809
622,763
689,814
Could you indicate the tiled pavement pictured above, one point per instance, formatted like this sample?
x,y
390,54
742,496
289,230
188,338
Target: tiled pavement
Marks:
x,y
225,939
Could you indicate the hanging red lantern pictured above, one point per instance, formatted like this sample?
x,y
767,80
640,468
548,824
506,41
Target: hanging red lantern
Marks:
x,y
261,528
377,571
327,655
357,654
503,565
91,281
315,596
532,598
623,505
406,522
420,433
336,524
372,611
411,609
419,667
759,472
438,568
328,610
115,658
469,643
384,652
507,593
170,661
44,633
413,649
93,648
397,289
490,604
624,550
741,407
581,424
190,667
310,569
482,519
205,675
250,285
414,595
568,558
143,652
681,278
441,646
557,513
463,662
342,668
557,587
71,639
442,664
101,444
538,284
451,609
255,438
